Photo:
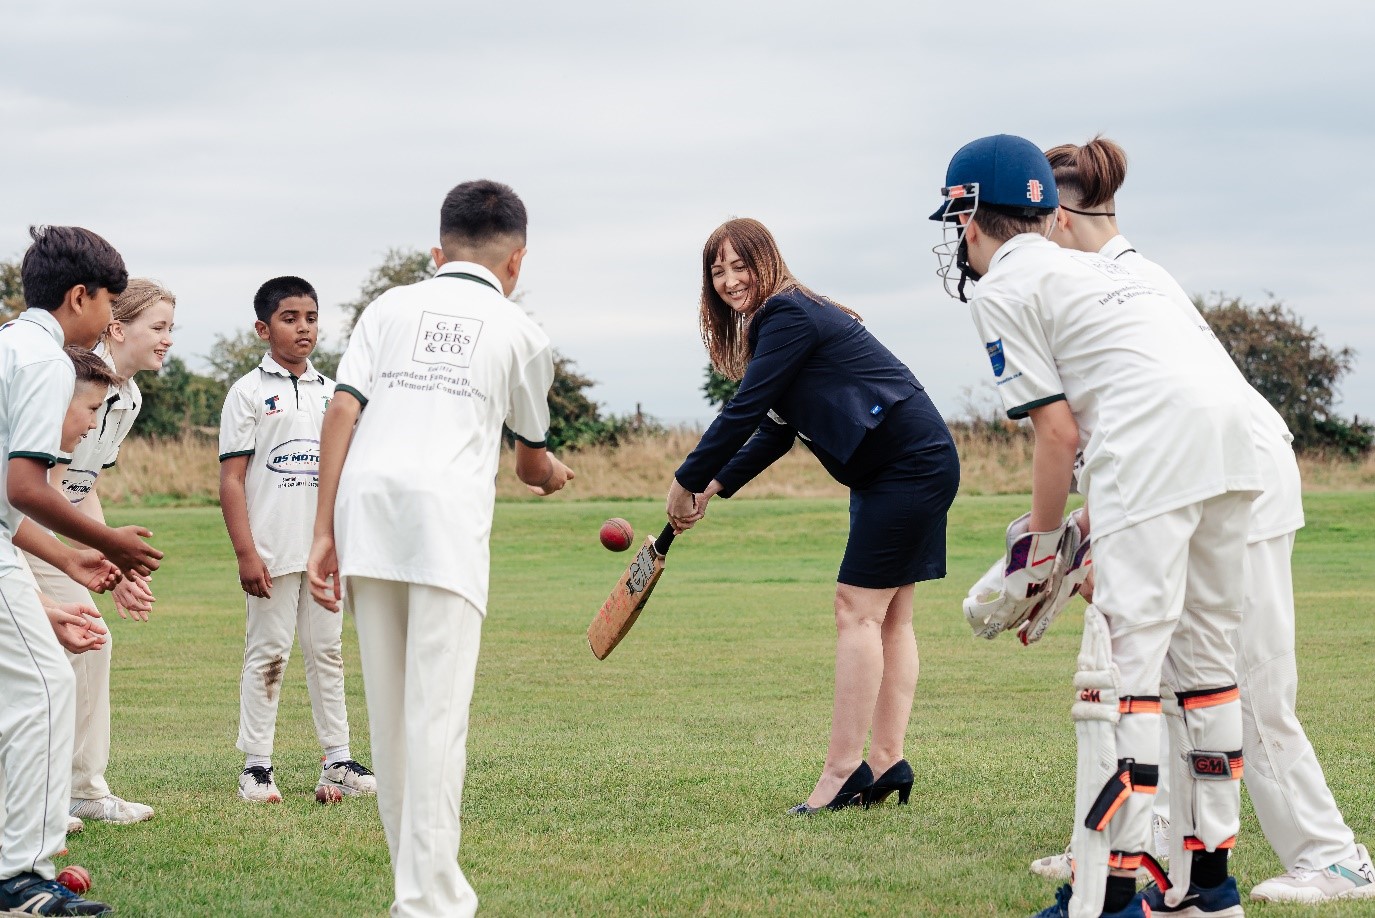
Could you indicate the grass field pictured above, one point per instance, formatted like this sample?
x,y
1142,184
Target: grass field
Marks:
x,y
654,783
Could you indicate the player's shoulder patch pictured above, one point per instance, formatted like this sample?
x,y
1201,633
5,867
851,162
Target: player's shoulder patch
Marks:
x,y
996,356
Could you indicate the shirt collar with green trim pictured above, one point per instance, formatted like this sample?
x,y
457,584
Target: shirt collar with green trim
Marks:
x,y
45,320
126,393
269,365
469,267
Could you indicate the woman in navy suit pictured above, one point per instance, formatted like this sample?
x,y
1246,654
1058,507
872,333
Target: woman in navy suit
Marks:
x,y
809,368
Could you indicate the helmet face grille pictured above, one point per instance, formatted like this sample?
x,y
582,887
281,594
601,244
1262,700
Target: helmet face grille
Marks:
x,y
952,253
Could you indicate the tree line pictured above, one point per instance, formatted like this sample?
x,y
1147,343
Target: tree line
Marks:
x,y
180,400
1283,357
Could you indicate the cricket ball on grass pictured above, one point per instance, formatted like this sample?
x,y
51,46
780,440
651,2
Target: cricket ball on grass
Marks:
x,y
616,534
76,878
327,793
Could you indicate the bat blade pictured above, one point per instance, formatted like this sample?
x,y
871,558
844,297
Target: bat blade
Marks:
x,y
628,598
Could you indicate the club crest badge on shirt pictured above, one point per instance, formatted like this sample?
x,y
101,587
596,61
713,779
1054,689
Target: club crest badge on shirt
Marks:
x,y
996,356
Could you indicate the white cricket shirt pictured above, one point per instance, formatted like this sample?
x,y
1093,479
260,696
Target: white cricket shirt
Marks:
x,y
1163,422
36,385
1279,508
274,418
99,449
438,366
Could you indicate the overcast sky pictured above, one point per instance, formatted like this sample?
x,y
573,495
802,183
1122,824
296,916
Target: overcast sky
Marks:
x,y
219,145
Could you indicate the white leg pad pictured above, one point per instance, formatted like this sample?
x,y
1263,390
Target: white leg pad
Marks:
x,y
1205,802
1097,688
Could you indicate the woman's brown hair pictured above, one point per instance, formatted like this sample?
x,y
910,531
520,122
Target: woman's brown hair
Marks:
x,y
1090,174
725,331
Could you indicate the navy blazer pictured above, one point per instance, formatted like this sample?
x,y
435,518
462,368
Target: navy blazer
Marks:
x,y
821,373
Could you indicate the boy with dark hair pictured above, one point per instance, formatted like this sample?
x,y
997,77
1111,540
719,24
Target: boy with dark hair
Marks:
x,y
70,278
1107,368
269,462
430,374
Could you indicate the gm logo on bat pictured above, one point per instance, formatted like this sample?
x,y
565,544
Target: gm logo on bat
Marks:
x,y
641,569
296,457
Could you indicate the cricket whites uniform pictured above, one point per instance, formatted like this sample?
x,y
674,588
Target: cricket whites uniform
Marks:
x,y
438,367
36,681
1293,803
96,452
273,418
1169,472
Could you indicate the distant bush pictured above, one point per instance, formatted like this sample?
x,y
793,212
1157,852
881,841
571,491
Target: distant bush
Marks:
x,y
1289,364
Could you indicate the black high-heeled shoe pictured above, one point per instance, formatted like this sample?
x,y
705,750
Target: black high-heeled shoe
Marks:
x,y
851,793
898,778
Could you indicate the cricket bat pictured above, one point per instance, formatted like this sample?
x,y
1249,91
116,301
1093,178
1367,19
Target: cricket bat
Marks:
x,y
627,600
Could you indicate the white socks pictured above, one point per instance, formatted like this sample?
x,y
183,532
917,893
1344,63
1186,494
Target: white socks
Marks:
x,y
336,754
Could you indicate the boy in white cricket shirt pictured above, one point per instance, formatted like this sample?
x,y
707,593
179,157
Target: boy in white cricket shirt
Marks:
x,y
136,340
1104,364
70,278
430,374
269,462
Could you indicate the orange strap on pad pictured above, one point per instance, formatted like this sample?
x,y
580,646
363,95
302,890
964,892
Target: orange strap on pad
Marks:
x,y
1129,778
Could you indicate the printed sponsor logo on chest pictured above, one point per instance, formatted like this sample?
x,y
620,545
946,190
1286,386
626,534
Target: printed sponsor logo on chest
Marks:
x,y
295,457
446,339
78,483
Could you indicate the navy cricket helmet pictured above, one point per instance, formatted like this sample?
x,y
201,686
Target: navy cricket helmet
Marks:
x,y
1005,171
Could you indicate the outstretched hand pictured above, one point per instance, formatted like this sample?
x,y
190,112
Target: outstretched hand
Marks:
x,y
90,568
77,625
134,597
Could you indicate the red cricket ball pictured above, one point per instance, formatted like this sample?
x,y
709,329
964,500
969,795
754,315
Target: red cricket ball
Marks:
x,y
616,534
76,878
327,793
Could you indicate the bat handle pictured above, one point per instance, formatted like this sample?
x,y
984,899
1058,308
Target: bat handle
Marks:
x,y
665,540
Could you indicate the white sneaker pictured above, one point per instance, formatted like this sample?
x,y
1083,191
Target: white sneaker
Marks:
x,y
74,825
1058,866
256,785
1353,878
349,777
111,809
1053,866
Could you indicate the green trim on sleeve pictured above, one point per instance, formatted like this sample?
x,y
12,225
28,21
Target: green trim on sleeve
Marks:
x,y
345,387
533,444
21,454
237,453
1022,411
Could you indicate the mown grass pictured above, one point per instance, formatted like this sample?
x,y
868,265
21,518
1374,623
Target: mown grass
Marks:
x,y
654,783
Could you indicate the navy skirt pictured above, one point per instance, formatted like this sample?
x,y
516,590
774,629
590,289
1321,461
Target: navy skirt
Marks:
x,y
898,513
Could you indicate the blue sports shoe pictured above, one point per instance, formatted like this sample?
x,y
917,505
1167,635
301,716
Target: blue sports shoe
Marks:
x,y
1222,901
1060,909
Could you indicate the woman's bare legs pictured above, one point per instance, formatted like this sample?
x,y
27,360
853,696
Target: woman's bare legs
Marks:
x,y
860,661
900,668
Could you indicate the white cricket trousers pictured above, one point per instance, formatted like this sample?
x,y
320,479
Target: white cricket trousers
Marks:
x,y
271,625
419,647
1293,803
1171,588
91,750
36,721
